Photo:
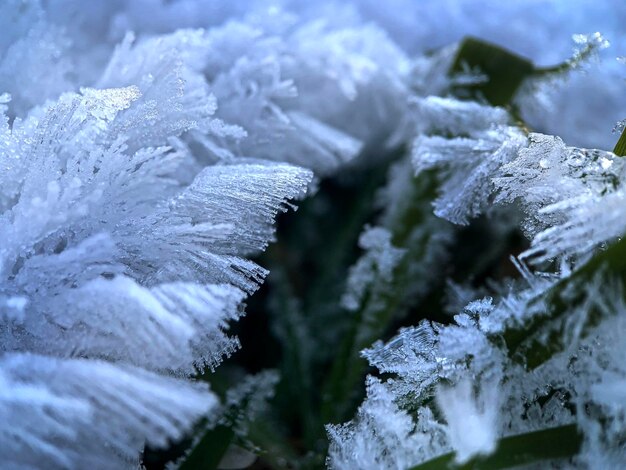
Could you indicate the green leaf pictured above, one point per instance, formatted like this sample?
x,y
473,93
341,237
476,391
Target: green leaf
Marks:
x,y
620,147
307,267
208,453
292,329
504,70
523,449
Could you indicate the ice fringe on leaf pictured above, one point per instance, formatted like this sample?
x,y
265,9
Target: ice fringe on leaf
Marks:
x,y
123,259
376,267
52,411
485,141
572,196
564,191
383,435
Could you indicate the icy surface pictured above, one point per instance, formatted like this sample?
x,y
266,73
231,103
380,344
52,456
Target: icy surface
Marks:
x,y
146,148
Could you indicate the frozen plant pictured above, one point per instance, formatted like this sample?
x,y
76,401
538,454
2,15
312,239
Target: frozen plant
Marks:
x,y
531,364
447,236
122,262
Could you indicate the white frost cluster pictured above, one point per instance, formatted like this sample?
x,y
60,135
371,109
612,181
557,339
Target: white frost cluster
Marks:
x,y
564,191
471,419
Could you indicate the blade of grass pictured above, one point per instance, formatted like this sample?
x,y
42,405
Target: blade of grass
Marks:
x,y
384,301
210,450
523,449
620,146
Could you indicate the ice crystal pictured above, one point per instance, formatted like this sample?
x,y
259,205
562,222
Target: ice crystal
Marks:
x,y
147,147
485,143
50,409
395,441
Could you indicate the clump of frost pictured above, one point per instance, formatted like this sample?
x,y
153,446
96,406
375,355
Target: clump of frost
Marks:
x,y
605,422
582,109
123,257
573,196
305,91
383,436
248,399
475,367
548,172
572,199
564,191
79,413
101,260
501,399
35,63
310,93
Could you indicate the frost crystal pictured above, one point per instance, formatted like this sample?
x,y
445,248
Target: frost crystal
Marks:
x,y
396,443
61,411
470,161
548,172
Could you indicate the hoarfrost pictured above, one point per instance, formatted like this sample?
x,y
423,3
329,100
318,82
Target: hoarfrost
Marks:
x,y
49,408
124,256
468,162
123,259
